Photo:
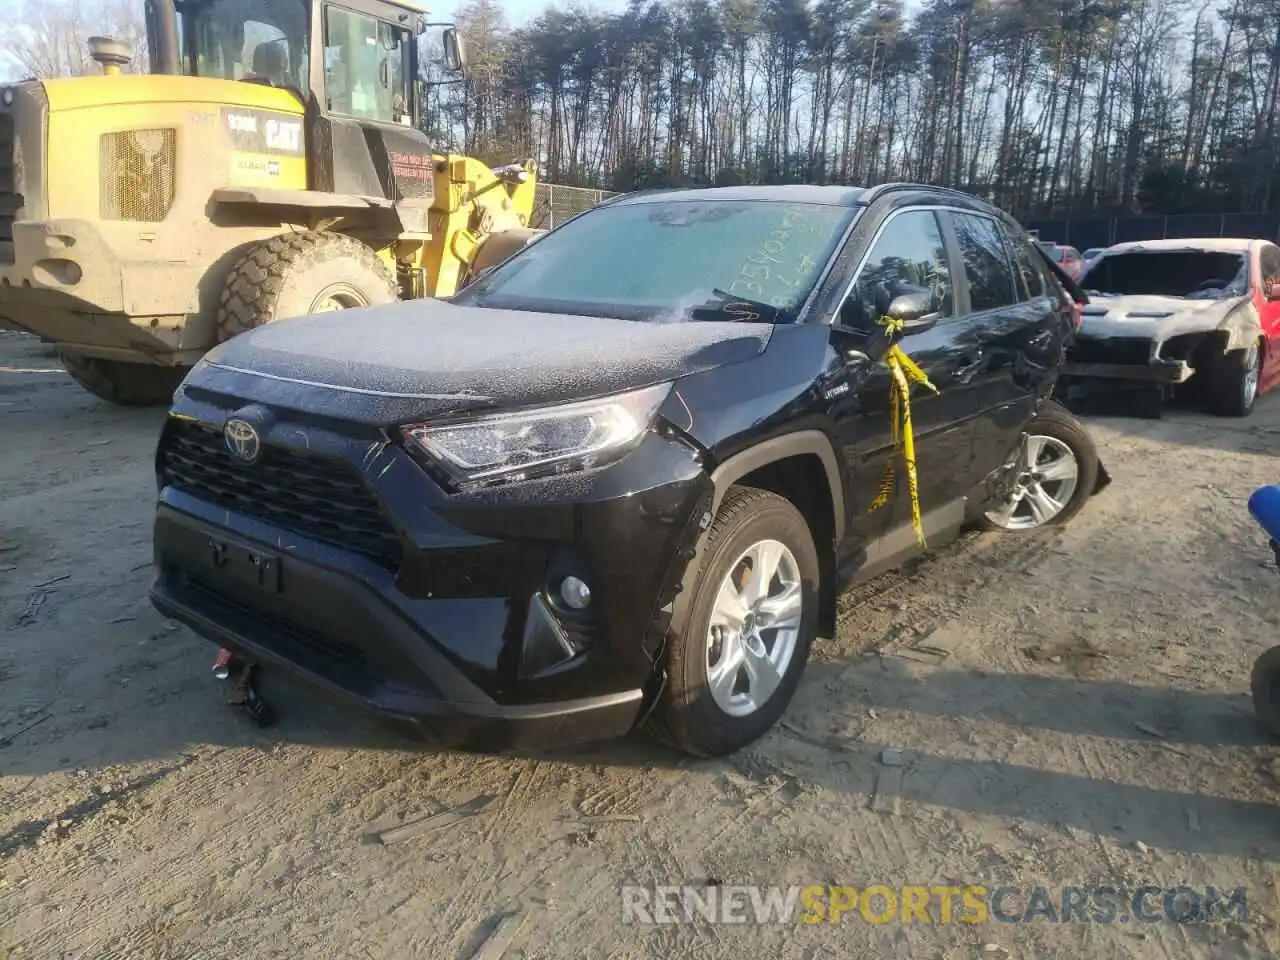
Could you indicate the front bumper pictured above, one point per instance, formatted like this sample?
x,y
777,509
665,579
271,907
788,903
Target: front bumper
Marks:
x,y
1134,359
1158,371
459,628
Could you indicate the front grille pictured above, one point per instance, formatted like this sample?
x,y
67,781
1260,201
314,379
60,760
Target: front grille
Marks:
x,y
1125,350
139,174
318,496
10,200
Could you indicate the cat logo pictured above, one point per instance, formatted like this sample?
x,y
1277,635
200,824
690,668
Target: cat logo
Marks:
x,y
284,135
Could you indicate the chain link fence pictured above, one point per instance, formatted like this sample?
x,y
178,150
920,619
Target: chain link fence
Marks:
x,y
554,204
1100,232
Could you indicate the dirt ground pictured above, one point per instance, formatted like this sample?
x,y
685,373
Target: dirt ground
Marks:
x,y
1069,709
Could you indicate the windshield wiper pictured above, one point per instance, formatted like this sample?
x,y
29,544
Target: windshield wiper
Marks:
x,y
730,306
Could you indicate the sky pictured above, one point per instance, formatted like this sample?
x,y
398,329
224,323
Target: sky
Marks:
x,y
520,12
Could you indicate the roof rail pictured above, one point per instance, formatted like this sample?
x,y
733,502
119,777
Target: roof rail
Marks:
x,y
874,193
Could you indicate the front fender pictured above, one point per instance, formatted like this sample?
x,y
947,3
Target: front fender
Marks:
x,y
1242,326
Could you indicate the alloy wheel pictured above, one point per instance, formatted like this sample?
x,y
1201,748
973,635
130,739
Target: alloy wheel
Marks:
x,y
1252,370
1042,489
755,624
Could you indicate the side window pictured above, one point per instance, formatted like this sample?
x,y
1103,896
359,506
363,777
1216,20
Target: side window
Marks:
x,y
908,255
1030,275
985,261
1269,262
366,67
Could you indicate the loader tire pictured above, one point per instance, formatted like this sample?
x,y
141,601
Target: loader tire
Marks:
x,y
124,384
295,274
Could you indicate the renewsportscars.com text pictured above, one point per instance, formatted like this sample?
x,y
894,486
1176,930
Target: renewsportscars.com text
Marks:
x,y
931,904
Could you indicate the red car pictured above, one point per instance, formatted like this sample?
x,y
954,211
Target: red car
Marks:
x,y
1068,258
1162,312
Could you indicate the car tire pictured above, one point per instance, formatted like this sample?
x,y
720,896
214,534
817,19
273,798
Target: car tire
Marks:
x,y
122,383
296,274
1264,687
702,709
1059,442
1233,381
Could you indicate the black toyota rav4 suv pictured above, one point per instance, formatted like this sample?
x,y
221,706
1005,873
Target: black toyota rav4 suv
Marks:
x,y
623,475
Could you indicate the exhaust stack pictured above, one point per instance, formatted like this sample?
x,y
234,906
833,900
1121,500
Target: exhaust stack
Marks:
x,y
112,54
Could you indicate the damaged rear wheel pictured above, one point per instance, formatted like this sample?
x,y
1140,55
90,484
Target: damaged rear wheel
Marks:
x,y
1264,686
1054,472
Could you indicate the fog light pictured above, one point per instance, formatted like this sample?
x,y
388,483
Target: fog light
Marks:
x,y
575,593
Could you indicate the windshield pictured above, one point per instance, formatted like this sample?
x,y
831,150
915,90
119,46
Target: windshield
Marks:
x,y
1193,274
262,40
674,260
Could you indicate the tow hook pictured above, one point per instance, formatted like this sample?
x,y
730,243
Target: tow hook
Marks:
x,y
237,673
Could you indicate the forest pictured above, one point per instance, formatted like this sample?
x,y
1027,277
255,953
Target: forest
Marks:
x,y
1050,108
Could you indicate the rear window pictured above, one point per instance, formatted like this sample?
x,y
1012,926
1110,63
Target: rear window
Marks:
x,y
1194,274
673,260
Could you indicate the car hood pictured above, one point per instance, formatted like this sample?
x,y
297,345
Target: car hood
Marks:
x,y
429,358
1152,316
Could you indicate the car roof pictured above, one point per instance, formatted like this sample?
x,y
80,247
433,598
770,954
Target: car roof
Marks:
x,y
826,195
1207,244
832,196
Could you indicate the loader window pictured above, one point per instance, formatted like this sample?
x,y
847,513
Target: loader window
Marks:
x,y
368,67
264,40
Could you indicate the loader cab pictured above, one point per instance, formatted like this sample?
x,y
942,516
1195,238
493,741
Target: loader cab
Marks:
x,y
356,67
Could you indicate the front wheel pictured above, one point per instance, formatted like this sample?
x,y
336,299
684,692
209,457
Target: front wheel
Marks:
x,y
1233,381
1264,685
1056,471
296,274
737,659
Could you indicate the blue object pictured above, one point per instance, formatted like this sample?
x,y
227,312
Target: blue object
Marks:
x,y
1265,507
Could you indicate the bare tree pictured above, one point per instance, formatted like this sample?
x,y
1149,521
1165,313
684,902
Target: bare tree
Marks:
x,y
49,38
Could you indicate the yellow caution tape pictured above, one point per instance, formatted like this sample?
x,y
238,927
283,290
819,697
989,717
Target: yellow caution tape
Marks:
x,y
904,372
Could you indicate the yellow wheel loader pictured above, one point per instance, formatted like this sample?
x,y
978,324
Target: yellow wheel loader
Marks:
x,y
269,166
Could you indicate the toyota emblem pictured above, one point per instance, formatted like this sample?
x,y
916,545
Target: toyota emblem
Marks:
x,y
242,440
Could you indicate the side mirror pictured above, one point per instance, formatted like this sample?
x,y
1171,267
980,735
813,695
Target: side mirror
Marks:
x,y
455,56
1273,291
915,310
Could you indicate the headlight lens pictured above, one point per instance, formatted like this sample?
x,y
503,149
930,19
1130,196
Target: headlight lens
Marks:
x,y
511,447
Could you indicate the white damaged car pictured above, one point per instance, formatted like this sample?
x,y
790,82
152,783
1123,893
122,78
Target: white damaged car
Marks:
x,y
1161,312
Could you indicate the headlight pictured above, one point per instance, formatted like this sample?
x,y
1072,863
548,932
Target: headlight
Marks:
x,y
8,96
510,447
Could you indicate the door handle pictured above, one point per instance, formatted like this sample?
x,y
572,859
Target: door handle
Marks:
x,y
970,363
